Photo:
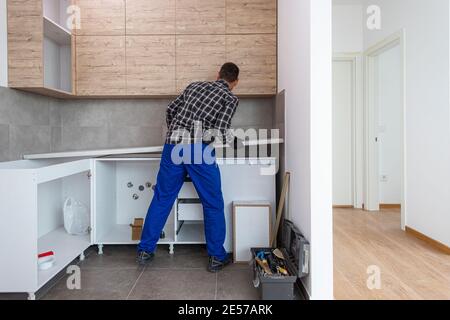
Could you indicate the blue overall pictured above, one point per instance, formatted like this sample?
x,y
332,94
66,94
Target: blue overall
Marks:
x,y
205,175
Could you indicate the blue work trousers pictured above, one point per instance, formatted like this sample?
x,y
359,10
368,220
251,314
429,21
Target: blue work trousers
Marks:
x,y
177,162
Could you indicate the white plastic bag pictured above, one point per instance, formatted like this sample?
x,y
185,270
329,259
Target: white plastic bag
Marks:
x,y
76,217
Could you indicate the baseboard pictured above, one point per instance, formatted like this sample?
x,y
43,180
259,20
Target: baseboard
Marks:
x,y
390,206
434,243
343,207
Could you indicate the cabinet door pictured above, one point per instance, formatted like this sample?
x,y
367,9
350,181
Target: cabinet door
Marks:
x,y
101,17
25,37
256,56
100,65
251,16
200,16
199,58
150,17
150,65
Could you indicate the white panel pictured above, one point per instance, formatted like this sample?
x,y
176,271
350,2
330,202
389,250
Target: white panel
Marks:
x,y
188,191
348,27
18,231
342,132
62,170
50,207
105,213
251,230
66,68
52,10
243,182
52,64
390,126
190,212
139,173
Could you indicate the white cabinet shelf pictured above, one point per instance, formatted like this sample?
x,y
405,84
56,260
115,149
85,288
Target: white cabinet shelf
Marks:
x,y
121,234
66,248
55,32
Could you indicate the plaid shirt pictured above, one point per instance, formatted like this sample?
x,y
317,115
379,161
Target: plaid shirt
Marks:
x,y
203,112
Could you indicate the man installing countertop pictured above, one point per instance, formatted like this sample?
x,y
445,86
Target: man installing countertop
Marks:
x,y
198,117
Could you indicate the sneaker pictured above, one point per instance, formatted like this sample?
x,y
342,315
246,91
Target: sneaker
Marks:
x,y
215,265
144,257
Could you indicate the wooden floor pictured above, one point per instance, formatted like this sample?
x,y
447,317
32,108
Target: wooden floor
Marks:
x,y
410,268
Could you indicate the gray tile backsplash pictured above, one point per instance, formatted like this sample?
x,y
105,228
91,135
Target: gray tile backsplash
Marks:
x,y
31,123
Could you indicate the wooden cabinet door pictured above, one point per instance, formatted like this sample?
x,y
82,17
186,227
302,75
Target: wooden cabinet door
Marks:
x,y
198,58
100,65
150,17
200,16
256,56
251,16
101,17
25,48
150,65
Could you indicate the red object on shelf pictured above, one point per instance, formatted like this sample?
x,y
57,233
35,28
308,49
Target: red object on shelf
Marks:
x,y
46,254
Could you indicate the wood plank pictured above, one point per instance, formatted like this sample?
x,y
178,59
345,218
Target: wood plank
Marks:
x,y
198,58
200,16
251,16
256,56
25,43
101,17
150,65
101,65
150,17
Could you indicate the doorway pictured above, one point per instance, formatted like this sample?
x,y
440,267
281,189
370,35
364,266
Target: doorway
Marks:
x,y
384,119
347,131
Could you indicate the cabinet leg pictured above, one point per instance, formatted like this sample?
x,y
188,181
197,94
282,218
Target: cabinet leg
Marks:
x,y
31,296
82,256
171,246
100,249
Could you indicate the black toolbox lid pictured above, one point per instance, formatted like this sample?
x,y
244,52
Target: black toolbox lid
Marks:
x,y
297,247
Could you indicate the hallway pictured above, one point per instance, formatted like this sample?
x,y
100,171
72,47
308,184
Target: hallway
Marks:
x,y
409,268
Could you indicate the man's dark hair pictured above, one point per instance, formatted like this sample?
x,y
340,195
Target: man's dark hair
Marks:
x,y
229,72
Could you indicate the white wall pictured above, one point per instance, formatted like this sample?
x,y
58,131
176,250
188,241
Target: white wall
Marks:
x,y
305,56
347,27
389,87
3,45
426,24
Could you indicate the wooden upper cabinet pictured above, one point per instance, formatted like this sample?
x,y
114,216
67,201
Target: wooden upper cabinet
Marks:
x,y
200,16
251,16
198,58
256,56
150,17
100,65
25,43
101,17
151,65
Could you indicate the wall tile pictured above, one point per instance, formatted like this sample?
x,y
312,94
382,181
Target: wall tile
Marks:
x,y
55,113
84,113
254,112
84,138
56,142
28,140
26,109
123,137
4,142
143,113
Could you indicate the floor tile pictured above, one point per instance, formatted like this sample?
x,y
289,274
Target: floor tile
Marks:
x,y
175,285
97,285
236,284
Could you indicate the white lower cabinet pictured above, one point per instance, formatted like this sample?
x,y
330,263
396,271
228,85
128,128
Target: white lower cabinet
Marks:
x,y
116,190
32,194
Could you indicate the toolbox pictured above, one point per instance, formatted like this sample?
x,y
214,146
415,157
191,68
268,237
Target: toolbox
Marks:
x,y
295,249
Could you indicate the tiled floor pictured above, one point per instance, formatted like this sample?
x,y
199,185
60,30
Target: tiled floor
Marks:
x,y
182,276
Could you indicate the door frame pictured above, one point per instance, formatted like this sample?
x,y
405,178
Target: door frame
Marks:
x,y
356,59
371,176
